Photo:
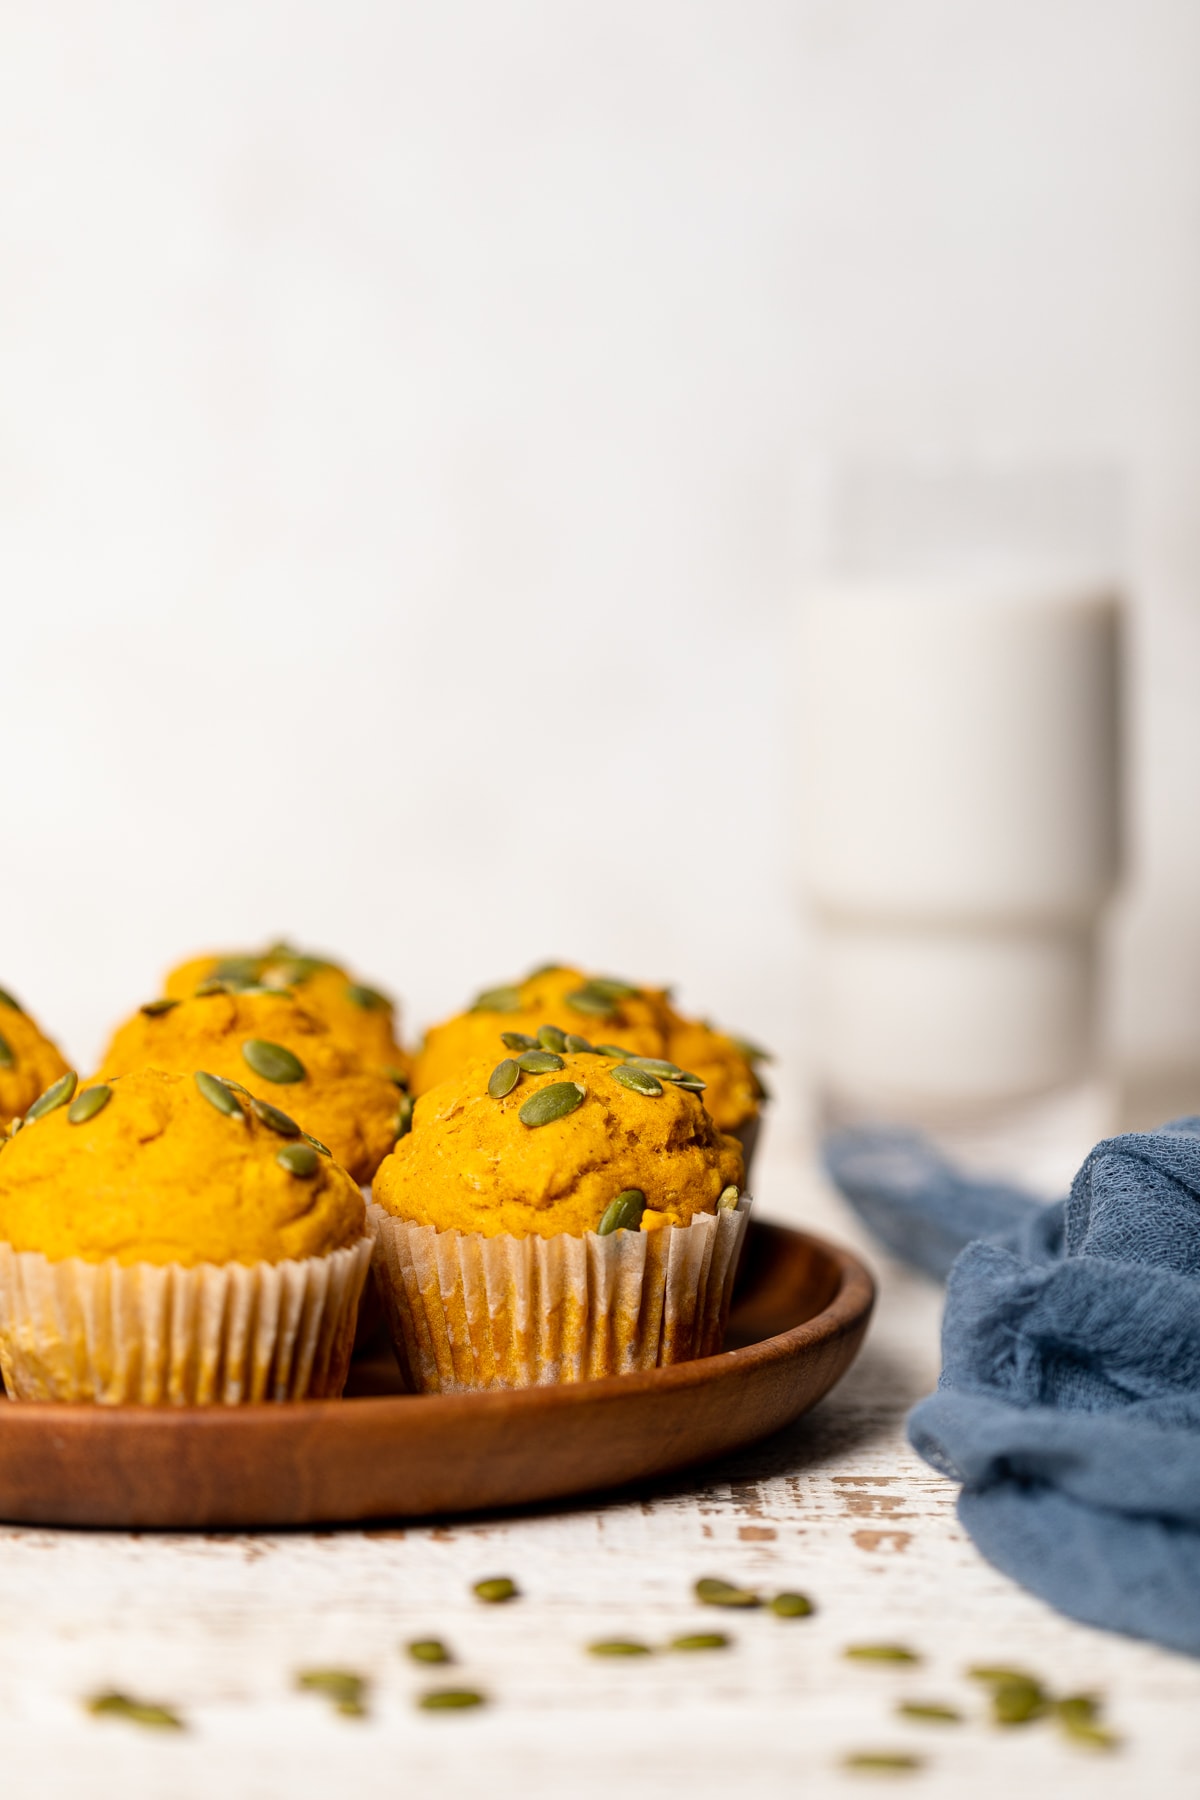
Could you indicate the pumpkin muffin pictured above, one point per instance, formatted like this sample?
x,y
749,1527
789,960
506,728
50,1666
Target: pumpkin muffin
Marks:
x,y
609,1011
361,1017
29,1062
557,1216
282,1053
166,1237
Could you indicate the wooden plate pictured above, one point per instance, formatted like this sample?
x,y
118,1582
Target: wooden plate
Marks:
x,y
799,1316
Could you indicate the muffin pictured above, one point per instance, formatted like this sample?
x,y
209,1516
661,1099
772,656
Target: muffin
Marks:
x,y
559,1216
361,1017
282,1053
639,1019
165,1238
29,1062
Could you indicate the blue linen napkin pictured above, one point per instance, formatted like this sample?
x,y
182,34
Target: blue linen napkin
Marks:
x,y
1069,1401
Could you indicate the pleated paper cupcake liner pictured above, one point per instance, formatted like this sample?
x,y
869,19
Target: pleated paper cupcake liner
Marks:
x,y
166,1335
468,1311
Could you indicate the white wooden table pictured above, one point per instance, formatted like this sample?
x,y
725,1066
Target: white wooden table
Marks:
x,y
838,1506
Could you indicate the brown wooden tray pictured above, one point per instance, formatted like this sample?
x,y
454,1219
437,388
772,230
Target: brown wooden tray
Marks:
x,y
800,1313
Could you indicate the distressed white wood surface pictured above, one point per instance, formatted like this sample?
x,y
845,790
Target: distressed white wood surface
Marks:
x,y
839,1506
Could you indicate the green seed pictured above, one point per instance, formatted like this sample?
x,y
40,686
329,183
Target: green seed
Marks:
x,y
551,968
154,1009
551,1038
316,1144
57,1094
995,1673
578,1046
85,1106
272,1061
691,1084
450,1699
498,999
504,1078
613,988
613,1050
138,1712
495,1589
622,1214
239,971
553,1102
587,1000
369,998
1081,1709
298,1159
618,1647
540,1062
6,999
884,1653
883,1762
518,1040
636,1079
404,1116
700,1640
791,1606
1096,1737
397,1077
273,1117
7,1059
347,1690
218,1093
655,1065
212,984
713,1592
923,1709
429,1650
1018,1702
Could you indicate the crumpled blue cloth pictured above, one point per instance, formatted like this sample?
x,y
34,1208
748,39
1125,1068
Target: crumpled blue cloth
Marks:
x,y
1069,1401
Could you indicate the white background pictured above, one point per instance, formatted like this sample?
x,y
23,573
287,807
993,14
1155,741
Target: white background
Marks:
x,y
413,426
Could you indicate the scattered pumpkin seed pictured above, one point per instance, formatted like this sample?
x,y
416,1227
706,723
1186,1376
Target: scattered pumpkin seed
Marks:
x,y
1084,1709
884,1653
317,1144
154,1009
429,1650
613,1050
1086,1731
504,1078
928,1710
1018,1702
622,1214
700,1640
57,1094
273,1117
298,1159
6,999
450,1699
369,998
213,984
274,1062
997,1672
404,1116
883,1762
138,1712
612,987
714,1592
551,1103
239,970
618,1647
656,1065
495,1589
540,1062
518,1040
636,1079
691,1084
596,1006
578,1046
727,1200
7,1059
347,1690
85,1106
497,999
551,1038
791,1606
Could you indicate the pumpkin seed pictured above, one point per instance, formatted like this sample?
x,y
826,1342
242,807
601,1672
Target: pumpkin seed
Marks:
x,y
612,987
6,999
138,1712
1018,1702
636,1079
274,1062
540,1062
884,1653
655,1065
791,1606
57,1094
543,969
154,1009
578,1046
691,1084
622,1214
498,999
347,1690
613,1050
504,1078
495,1589
1084,1709
727,1200
553,1102
1084,1730
85,1106
450,1699
924,1709
404,1116
700,1640
239,971
997,1672
298,1159
518,1040
369,998
618,1647
587,1000
429,1650
551,1038
273,1117
883,1762
396,1076
213,984
316,1144
7,1059
714,1592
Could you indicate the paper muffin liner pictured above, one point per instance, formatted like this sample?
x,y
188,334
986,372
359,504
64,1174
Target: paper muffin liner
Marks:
x,y
166,1335
468,1311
